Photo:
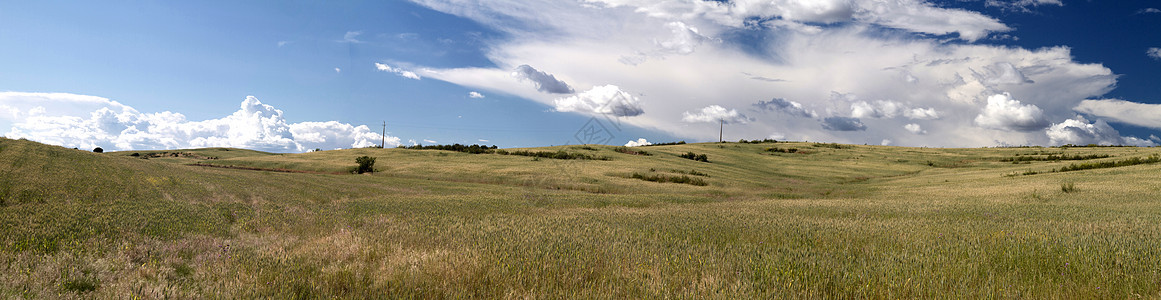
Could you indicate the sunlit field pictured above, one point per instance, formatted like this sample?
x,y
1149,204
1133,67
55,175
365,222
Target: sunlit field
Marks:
x,y
821,221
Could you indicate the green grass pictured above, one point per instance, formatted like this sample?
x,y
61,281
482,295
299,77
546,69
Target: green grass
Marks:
x,y
846,221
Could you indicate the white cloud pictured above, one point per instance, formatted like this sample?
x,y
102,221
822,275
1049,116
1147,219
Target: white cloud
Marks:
x,y
352,37
684,41
476,95
915,128
337,70
932,79
113,126
885,142
1005,113
430,141
282,43
606,99
1150,10
544,82
1078,131
1001,73
1140,114
482,140
1021,5
715,114
397,71
638,142
1155,53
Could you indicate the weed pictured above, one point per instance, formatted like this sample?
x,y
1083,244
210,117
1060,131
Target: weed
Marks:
x,y
1067,187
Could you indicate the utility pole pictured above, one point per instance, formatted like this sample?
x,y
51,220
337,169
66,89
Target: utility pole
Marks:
x,y
721,128
383,138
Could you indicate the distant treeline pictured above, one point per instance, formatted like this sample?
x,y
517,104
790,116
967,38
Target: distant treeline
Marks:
x,y
1152,159
1054,157
666,144
482,149
473,149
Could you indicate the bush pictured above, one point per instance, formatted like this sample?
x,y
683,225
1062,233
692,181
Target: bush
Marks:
x,y
1067,187
366,164
98,150
694,156
626,150
781,150
674,179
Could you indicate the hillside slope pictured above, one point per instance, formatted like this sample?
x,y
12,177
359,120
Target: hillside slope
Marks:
x,y
821,220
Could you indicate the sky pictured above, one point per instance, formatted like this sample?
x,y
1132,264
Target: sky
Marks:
x,y
295,76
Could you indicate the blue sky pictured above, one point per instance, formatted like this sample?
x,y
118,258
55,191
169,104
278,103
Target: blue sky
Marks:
x,y
146,74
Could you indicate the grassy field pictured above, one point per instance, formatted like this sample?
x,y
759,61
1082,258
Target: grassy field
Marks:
x,y
826,221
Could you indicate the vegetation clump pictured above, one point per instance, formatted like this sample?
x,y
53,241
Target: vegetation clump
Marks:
x,y
626,150
782,150
762,141
831,145
561,154
1054,157
694,156
473,149
661,178
665,144
98,150
1152,159
366,164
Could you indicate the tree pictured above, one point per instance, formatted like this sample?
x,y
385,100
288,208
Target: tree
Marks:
x,y
366,164
98,150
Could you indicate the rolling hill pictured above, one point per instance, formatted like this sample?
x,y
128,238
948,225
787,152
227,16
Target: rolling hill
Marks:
x,y
781,220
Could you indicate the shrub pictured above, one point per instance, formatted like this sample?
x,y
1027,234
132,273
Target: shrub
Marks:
x,y
694,156
665,144
659,178
366,164
98,150
626,150
781,150
1067,187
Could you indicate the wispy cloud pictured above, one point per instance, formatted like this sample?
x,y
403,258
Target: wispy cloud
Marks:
x,y
397,71
352,37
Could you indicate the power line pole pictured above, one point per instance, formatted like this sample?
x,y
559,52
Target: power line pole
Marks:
x,y
721,128
383,138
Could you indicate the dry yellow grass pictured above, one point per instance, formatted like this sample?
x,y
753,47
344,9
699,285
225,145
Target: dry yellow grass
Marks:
x,y
839,222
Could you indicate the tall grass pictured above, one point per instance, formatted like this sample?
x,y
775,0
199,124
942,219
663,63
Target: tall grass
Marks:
x,y
81,225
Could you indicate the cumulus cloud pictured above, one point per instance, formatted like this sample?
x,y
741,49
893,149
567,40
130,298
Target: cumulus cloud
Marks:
x,y
930,78
1078,131
1005,113
914,128
843,124
397,71
606,99
785,106
476,95
887,109
1140,114
638,142
714,114
544,82
118,127
1001,73
1155,53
